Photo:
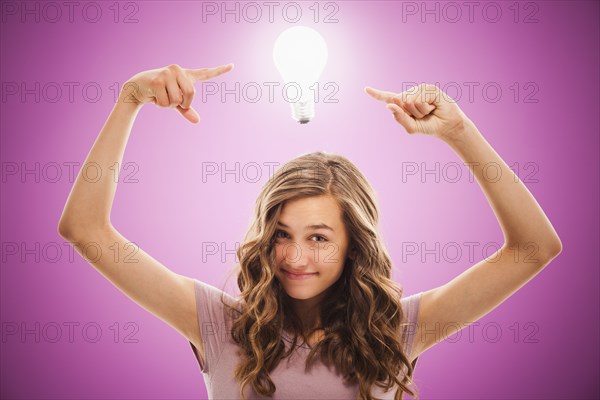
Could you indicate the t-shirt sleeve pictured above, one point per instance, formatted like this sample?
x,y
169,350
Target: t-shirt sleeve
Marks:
x,y
212,323
411,306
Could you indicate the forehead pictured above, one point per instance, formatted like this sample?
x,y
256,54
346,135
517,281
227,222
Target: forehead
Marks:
x,y
309,210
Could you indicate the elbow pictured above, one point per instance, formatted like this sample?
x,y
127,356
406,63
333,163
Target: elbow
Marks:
x,y
75,231
64,229
556,248
67,229
551,250
540,251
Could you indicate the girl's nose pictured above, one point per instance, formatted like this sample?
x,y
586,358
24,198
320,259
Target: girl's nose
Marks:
x,y
296,255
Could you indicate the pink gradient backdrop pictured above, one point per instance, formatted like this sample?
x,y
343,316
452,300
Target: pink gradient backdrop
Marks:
x,y
170,212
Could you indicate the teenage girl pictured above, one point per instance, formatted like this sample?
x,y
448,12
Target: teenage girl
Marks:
x,y
318,316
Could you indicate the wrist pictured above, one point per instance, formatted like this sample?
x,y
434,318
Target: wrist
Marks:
x,y
126,108
461,136
127,101
130,94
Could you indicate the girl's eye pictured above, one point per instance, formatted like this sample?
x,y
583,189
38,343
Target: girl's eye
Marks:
x,y
278,232
285,233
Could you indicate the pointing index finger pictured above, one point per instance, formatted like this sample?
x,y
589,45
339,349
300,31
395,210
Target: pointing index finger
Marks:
x,y
203,74
380,94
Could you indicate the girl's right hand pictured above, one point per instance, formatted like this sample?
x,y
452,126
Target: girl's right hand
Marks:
x,y
171,87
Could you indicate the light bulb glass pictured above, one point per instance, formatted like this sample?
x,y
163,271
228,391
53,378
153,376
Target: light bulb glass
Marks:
x,y
300,54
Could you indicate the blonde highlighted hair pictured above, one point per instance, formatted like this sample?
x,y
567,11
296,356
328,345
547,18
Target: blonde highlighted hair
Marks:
x,y
362,318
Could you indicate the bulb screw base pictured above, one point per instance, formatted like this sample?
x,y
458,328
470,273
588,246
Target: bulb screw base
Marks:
x,y
303,111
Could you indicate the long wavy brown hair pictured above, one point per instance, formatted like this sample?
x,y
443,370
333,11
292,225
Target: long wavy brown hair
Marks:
x,y
362,318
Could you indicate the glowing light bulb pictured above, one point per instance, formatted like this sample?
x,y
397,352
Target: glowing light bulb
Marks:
x,y
300,54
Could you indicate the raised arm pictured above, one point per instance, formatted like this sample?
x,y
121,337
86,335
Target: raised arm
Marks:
x,y
530,240
85,221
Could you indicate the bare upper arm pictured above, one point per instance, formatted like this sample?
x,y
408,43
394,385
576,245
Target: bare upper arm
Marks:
x,y
477,291
162,292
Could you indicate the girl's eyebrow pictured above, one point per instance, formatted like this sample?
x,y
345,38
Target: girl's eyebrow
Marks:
x,y
313,226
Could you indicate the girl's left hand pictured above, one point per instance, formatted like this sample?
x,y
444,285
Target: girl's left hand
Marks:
x,y
424,109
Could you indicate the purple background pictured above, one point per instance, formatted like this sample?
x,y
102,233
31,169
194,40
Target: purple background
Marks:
x,y
170,212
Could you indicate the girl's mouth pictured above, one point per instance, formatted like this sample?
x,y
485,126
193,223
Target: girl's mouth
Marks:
x,y
293,276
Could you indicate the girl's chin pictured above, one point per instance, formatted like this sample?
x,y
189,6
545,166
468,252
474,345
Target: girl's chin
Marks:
x,y
298,296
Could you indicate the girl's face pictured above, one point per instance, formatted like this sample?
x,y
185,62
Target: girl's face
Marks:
x,y
310,246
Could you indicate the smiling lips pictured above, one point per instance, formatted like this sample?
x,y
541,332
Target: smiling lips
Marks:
x,y
298,276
